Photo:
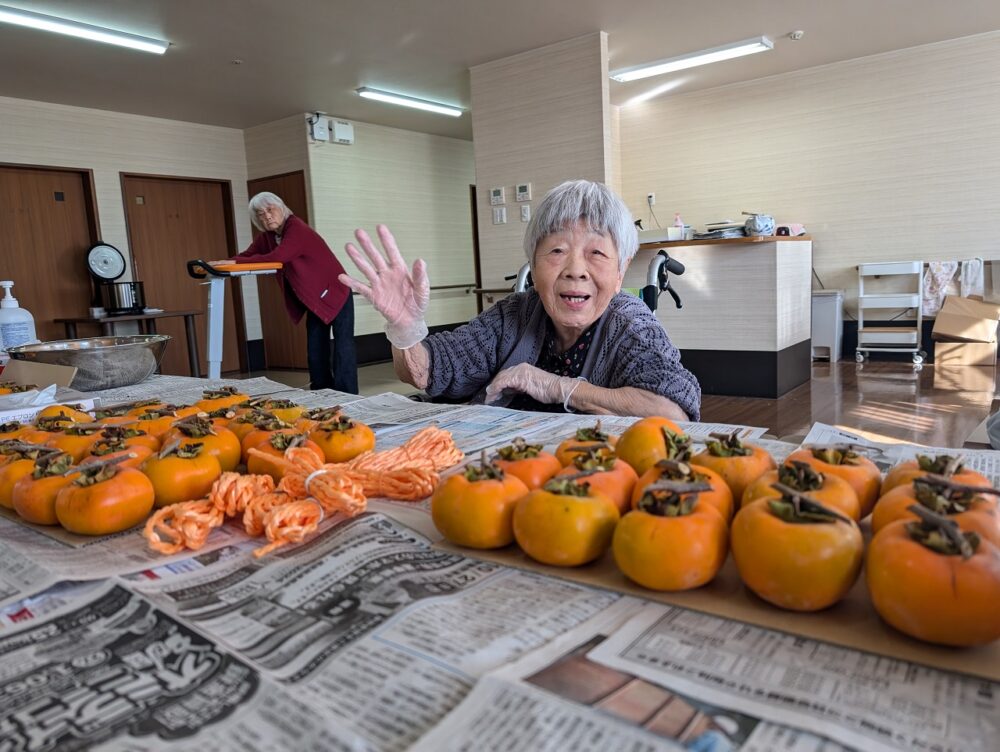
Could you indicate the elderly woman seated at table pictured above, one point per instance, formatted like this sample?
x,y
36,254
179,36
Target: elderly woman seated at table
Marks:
x,y
574,341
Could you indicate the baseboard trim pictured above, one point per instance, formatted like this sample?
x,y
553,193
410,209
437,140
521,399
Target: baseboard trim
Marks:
x,y
746,373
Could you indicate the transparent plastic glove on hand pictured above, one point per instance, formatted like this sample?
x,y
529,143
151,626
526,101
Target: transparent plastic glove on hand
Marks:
x,y
543,386
397,292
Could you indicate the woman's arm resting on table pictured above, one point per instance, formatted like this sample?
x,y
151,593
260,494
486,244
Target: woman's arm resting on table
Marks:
x,y
625,400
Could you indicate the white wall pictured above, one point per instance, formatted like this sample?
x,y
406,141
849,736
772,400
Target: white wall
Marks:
x,y
540,117
890,157
415,183
109,143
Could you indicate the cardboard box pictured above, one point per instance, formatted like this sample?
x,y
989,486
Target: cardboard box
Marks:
x,y
967,379
964,320
965,354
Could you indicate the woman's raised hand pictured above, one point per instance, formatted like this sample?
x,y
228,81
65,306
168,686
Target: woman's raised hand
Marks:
x,y
395,291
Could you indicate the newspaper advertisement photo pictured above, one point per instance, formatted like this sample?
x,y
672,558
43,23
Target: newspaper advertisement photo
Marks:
x,y
856,698
370,624
559,698
113,671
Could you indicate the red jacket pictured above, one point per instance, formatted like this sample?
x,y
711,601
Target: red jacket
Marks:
x,y
309,268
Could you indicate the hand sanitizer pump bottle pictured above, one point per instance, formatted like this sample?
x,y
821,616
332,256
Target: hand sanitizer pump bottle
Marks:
x,y
17,326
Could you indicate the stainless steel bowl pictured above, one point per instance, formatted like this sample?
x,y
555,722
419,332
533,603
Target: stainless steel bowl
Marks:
x,y
101,362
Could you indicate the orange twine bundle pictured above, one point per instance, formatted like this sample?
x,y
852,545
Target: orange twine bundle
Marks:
x,y
432,448
184,525
255,515
290,523
232,492
305,476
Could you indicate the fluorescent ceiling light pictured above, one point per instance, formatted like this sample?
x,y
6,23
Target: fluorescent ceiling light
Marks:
x,y
692,59
405,101
83,31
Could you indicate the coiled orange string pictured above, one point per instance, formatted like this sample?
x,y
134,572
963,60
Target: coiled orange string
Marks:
x,y
307,477
290,523
232,492
184,525
432,448
255,515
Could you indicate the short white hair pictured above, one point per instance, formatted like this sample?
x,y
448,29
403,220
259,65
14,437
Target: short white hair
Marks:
x,y
600,207
262,201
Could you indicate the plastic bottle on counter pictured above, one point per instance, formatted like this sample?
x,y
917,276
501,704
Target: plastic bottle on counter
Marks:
x,y
17,326
678,222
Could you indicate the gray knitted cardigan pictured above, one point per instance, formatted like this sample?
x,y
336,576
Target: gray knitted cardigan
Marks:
x,y
630,348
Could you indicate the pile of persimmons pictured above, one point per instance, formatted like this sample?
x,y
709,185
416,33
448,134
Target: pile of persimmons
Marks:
x,y
671,518
102,473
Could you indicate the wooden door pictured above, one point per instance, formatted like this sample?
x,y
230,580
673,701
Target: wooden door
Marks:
x,y
284,342
170,221
49,224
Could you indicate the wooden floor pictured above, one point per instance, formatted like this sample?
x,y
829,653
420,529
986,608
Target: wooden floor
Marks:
x,y
936,405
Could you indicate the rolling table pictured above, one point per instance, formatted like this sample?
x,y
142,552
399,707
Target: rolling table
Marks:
x,y
217,272
147,325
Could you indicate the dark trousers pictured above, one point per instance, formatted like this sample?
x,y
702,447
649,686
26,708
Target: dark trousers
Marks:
x,y
332,366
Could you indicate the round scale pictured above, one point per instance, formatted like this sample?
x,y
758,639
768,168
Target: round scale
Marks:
x,y
105,262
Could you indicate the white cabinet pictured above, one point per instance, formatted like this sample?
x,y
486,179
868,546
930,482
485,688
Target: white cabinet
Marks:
x,y
889,338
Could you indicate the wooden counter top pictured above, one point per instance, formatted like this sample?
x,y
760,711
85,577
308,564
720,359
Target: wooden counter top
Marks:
x,y
725,241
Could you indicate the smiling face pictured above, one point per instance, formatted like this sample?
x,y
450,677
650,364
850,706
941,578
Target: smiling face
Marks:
x,y
575,272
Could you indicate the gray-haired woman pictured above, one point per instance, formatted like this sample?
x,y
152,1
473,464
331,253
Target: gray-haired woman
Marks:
x,y
572,342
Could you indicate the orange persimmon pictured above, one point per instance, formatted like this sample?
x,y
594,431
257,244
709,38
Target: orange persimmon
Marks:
x,y
226,396
528,462
34,495
603,472
104,499
673,540
845,462
124,455
13,429
216,440
19,462
581,441
827,489
943,464
934,581
342,439
76,439
274,447
475,508
649,440
718,495
181,473
72,413
263,429
737,463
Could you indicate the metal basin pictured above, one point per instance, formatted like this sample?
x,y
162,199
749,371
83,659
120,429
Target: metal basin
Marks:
x,y
101,362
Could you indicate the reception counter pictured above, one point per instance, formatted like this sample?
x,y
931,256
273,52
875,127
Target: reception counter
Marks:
x,y
744,329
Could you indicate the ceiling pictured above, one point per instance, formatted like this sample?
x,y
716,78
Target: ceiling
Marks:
x,y
307,55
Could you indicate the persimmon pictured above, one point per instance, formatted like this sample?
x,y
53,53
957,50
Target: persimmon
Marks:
x,y
796,553
737,463
475,508
275,447
34,495
114,449
934,581
974,508
673,540
342,439
218,441
72,413
76,439
282,409
13,429
828,490
46,428
104,499
311,419
20,461
528,462
564,523
10,387
141,407
181,473
604,473
262,430
718,495
245,422
944,465
226,396
113,415
581,441
651,439
129,436
844,461
221,416
156,421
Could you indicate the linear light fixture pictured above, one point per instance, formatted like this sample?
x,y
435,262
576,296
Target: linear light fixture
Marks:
x,y
421,104
20,17
692,59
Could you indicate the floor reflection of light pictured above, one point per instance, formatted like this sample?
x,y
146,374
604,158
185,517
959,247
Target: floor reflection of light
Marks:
x,y
893,418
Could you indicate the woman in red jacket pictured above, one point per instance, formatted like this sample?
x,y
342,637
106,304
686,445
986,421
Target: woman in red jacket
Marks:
x,y
308,278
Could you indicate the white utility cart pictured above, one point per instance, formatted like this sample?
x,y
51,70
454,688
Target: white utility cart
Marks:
x,y
890,338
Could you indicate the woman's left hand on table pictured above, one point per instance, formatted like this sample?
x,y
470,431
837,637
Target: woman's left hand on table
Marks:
x,y
528,379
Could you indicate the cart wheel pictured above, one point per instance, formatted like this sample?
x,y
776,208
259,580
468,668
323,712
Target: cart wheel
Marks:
x,y
859,356
918,359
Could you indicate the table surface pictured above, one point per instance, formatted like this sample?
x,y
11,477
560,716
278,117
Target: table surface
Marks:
x,y
125,317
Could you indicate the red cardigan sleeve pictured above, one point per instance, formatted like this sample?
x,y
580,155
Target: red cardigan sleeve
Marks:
x,y
294,243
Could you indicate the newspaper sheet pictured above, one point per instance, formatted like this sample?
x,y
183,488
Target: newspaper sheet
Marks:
x,y
372,626
182,390
112,671
856,698
558,697
316,398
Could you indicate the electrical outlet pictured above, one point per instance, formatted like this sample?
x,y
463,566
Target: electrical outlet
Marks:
x,y
499,215
525,212
651,199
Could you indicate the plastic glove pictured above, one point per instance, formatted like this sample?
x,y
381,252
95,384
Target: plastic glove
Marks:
x,y
528,379
396,292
